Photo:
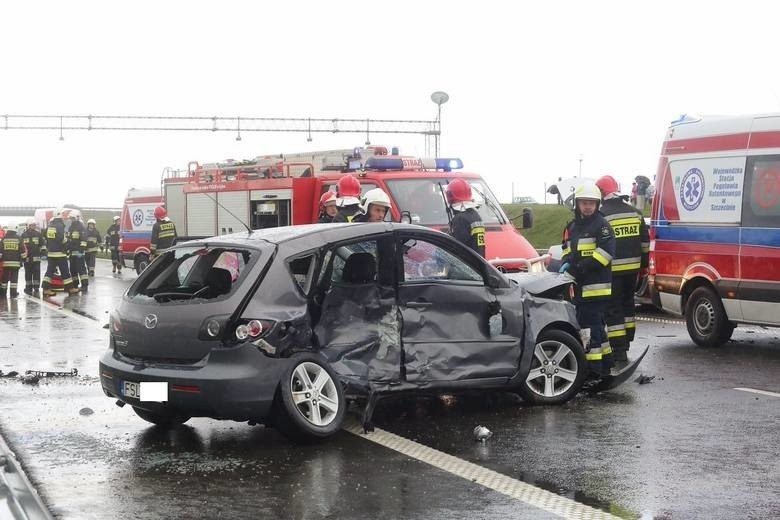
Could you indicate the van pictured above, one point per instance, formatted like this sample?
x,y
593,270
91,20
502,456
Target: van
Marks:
x,y
715,235
135,225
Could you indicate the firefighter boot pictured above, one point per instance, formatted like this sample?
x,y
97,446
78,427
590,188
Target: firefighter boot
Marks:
x,y
113,268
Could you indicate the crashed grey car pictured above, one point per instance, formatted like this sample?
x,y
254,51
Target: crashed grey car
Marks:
x,y
285,326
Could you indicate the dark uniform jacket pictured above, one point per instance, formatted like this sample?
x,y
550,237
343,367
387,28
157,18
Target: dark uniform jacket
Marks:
x,y
588,248
112,235
34,244
468,229
93,240
632,239
77,238
56,241
11,250
324,219
347,213
163,235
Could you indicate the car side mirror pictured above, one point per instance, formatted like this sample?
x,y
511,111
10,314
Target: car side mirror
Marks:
x,y
493,281
528,218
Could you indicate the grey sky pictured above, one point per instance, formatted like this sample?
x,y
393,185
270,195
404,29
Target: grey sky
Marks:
x,y
532,85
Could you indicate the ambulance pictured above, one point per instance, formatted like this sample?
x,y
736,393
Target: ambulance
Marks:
x,y
135,225
715,236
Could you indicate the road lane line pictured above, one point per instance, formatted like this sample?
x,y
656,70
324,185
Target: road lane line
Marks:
x,y
517,489
756,391
86,318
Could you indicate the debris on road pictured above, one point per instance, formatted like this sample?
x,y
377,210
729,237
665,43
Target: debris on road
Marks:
x,y
12,373
643,379
73,372
482,434
86,411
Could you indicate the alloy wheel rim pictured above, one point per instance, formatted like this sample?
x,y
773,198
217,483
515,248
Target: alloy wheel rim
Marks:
x,y
314,394
554,369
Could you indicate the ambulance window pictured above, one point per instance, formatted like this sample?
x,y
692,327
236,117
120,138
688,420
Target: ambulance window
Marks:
x,y
761,206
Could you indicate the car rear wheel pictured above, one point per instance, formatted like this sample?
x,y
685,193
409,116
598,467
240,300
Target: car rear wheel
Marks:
x,y
141,262
162,420
558,369
310,403
706,319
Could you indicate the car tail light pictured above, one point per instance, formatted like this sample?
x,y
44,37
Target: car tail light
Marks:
x,y
253,329
114,322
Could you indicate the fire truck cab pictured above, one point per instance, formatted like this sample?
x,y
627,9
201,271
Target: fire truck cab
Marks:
x,y
271,191
715,235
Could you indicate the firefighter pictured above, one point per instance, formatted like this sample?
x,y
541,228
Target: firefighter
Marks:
x,y
466,223
374,206
112,244
57,251
93,242
632,244
11,250
328,208
77,245
163,232
588,248
348,201
34,248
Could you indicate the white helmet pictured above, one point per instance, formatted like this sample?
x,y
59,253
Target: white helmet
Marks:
x,y
587,191
59,213
11,226
91,221
30,222
116,217
375,196
74,214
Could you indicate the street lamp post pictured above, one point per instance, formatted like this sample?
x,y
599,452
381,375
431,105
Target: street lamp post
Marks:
x,y
439,98
580,172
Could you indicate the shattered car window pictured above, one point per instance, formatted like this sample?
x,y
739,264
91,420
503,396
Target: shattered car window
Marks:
x,y
188,273
342,254
424,261
302,270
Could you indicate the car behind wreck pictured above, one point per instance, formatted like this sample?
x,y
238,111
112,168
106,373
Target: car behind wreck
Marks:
x,y
285,326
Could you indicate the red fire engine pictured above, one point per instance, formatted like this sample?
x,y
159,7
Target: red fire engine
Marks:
x,y
270,191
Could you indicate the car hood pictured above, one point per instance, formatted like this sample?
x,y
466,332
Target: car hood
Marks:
x,y
540,283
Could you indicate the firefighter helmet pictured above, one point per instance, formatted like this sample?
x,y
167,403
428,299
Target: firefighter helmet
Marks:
x,y
607,184
348,186
10,226
91,221
59,213
160,213
30,222
587,191
74,214
375,196
116,217
459,191
328,199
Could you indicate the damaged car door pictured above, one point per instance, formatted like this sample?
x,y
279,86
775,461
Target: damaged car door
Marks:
x,y
447,310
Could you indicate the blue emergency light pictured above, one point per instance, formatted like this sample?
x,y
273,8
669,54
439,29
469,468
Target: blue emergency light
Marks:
x,y
448,164
384,163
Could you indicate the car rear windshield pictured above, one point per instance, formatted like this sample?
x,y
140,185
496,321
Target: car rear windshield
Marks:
x,y
195,273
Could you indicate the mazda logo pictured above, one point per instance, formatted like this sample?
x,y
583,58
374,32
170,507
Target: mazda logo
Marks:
x,y
150,320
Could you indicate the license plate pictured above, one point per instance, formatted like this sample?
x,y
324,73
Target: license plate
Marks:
x,y
131,389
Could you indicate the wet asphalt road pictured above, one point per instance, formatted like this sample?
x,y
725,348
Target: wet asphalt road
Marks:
x,y
687,445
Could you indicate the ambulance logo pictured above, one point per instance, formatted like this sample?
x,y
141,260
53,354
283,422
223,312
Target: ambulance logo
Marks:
x,y
138,217
692,189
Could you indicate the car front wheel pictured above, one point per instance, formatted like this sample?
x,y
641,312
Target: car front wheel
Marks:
x,y
558,369
310,403
706,319
162,420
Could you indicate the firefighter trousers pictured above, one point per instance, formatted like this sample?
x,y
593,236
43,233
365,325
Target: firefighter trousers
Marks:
x,y
78,270
598,353
10,279
620,314
53,264
115,259
90,260
32,275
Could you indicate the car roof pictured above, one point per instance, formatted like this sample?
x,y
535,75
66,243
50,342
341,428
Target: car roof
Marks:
x,y
315,234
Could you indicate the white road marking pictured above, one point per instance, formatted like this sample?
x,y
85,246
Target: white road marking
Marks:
x,y
517,489
67,312
756,391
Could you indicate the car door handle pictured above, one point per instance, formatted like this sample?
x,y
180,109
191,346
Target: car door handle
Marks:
x,y
419,305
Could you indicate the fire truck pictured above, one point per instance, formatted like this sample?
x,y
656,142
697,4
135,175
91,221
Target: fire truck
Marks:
x,y
280,190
